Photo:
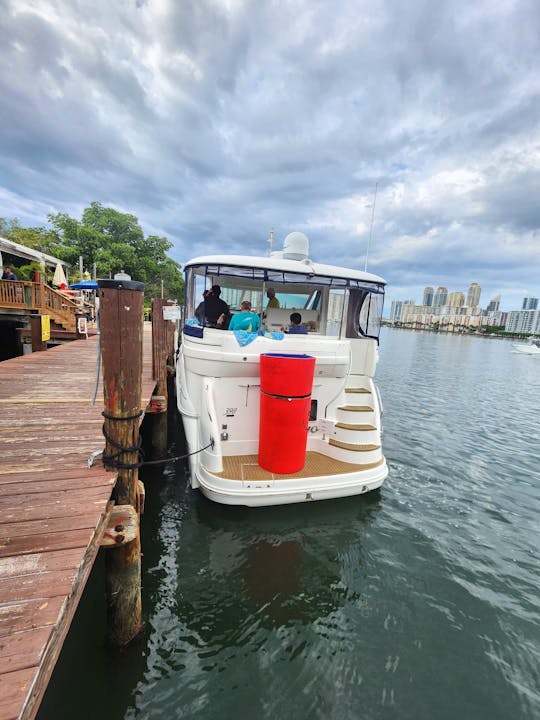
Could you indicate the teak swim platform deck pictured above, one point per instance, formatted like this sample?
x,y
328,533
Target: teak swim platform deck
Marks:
x,y
53,507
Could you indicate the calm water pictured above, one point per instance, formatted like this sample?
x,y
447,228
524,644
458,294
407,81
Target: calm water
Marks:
x,y
420,601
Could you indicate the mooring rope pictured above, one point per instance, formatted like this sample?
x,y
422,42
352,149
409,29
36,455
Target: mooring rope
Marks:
x,y
111,460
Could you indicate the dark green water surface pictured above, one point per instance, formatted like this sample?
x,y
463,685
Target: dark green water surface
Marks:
x,y
419,601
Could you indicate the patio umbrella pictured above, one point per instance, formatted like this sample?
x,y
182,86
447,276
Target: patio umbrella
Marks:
x,y
59,278
85,285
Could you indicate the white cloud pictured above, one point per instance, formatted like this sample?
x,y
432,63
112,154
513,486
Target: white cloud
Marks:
x,y
212,121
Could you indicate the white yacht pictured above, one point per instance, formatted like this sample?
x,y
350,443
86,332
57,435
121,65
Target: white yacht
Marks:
x,y
529,348
275,417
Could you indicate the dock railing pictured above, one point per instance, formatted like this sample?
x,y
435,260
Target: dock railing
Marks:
x,y
40,298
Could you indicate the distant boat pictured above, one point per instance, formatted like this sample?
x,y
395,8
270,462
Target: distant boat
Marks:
x,y
530,348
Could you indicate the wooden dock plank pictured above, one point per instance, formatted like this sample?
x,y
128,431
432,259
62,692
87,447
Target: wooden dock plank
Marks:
x,y
35,462
14,687
42,543
28,614
71,473
45,526
38,563
24,649
48,526
52,504
16,487
56,583
53,508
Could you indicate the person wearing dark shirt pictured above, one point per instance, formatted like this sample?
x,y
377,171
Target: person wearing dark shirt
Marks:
x,y
199,311
296,327
8,274
216,310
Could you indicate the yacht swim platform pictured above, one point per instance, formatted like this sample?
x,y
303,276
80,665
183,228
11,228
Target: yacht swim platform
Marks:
x,y
246,467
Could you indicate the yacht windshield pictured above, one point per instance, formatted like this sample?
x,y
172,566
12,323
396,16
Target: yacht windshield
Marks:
x,y
328,305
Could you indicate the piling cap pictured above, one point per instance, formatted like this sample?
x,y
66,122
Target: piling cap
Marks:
x,y
120,285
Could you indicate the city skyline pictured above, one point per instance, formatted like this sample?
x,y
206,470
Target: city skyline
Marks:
x,y
522,304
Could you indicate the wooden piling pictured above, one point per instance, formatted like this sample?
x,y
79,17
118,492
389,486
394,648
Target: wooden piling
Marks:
x,y
38,343
160,351
121,321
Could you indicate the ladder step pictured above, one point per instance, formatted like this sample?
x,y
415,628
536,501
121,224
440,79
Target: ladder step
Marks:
x,y
353,446
357,390
356,408
349,426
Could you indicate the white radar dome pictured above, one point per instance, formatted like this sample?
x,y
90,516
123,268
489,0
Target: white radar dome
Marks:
x,y
296,246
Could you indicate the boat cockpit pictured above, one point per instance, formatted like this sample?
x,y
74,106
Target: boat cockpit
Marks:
x,y
329,305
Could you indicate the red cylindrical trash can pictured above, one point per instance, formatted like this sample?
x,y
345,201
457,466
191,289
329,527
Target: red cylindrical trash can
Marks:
x,y
286,383
287,375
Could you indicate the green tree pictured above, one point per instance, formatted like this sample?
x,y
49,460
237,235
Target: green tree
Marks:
x,y
114,241
37,238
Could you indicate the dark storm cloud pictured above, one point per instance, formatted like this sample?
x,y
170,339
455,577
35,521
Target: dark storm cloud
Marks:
x,y
213,120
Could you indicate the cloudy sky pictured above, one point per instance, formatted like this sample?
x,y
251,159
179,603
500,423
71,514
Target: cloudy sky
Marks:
x,y
214,120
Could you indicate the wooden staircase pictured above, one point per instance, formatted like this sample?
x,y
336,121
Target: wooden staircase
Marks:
x,y
37,298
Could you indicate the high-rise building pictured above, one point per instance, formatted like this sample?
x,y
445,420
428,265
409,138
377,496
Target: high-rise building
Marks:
x,y
441,294
473,295
395,310
525,321
494,304
530,303
455,299
428,297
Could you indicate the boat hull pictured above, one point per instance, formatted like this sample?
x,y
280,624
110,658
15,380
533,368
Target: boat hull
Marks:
x,y
526,349
278,491
221,416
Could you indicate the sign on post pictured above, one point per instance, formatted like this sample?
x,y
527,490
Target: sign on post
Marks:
x,y
45,327
82,326
171,312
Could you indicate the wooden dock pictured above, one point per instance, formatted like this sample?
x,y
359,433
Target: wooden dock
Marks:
x,y
53,507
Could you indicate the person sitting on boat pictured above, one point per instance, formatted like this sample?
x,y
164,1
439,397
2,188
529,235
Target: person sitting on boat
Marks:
x,y
273,302
216,310
245,319
296,327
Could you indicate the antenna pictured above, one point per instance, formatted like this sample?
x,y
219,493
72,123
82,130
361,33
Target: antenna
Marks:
x,y
371,226
270,240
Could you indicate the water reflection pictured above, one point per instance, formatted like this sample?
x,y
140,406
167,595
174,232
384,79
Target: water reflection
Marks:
x,y
281,565
272,580
237,594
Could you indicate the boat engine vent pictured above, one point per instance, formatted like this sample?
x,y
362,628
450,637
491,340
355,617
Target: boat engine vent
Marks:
x,y
296,246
